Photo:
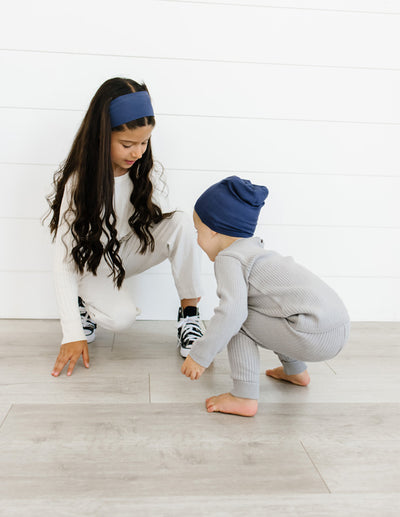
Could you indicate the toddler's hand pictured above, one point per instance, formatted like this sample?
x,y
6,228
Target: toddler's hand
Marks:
x,y
192,369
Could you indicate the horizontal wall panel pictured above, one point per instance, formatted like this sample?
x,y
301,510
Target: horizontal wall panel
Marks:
x,y
384,6
301,199
30,246
366,299
350,252
262,145
44,137
204,31
27,295
206,143
24,189
207,88
369,299
294,199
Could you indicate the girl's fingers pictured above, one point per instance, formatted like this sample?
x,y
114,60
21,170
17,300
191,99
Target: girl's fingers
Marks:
x,y
71,352
71,366
85,356
59,365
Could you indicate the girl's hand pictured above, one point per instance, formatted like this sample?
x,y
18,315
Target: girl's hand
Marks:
x,y
192,369
71,352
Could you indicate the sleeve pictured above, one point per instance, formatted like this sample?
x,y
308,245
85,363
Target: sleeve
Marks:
x,y
229,316
65,275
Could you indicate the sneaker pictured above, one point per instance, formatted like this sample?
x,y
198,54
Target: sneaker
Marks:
x,y
188,329
89,326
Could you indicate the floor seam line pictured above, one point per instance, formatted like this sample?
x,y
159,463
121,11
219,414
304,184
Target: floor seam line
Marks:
x,y
316,468
329,366
5,418
149,390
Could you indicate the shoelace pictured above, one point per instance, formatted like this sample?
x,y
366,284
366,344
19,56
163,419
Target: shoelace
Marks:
x,y
190,328
87,323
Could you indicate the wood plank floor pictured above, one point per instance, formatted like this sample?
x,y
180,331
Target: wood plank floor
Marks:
x,y
131,437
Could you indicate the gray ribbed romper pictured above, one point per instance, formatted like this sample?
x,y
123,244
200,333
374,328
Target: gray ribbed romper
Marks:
x,y
270,301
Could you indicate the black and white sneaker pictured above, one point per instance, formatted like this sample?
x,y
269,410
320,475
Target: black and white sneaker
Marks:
x,y
89,326
188,329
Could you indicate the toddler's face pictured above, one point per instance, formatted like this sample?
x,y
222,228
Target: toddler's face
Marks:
x,y
206,238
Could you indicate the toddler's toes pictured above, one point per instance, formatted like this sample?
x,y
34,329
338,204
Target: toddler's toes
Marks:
x,y
228,403
210,404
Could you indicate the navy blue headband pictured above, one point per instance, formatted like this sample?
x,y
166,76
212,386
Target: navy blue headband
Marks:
x,y
129,107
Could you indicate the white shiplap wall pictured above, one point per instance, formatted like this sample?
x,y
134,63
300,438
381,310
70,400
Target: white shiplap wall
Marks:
x,y
299,95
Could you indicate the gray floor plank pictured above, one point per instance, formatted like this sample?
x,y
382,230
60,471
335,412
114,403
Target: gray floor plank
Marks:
x,y
357,466
157,424
327,388
310,505
82,386
32,335
143,449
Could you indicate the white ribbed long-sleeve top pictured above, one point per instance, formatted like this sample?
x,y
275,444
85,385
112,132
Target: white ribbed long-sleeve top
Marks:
x,y
251,278
66,276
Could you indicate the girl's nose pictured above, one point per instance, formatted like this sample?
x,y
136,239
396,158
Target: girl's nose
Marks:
x,y
136,154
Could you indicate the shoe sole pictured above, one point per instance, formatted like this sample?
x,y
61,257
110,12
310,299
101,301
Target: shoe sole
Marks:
x,y
183,351
91,338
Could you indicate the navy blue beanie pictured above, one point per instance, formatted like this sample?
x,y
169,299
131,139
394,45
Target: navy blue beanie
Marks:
x,y
232,206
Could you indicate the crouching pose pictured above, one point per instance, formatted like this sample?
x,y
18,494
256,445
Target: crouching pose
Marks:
x,y
266,300
108,225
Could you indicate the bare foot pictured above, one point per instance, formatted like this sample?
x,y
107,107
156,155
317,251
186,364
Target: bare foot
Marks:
x,y
301,379
227,403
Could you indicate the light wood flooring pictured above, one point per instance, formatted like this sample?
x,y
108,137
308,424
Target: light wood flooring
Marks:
x,y
131,437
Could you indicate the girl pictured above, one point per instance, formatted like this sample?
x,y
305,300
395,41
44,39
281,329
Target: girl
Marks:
x,y
107,225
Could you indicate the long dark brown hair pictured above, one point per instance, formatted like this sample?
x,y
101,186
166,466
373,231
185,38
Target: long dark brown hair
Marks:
x,y
91,213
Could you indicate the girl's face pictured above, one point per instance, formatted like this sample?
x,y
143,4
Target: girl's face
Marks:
x,y
127,147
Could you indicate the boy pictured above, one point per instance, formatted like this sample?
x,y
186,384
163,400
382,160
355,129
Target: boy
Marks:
x,y
265,300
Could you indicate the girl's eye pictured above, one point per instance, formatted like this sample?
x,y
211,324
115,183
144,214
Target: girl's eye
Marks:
x,y
126,146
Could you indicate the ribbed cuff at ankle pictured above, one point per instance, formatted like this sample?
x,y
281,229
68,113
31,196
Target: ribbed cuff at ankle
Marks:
x,y
293,367
245,390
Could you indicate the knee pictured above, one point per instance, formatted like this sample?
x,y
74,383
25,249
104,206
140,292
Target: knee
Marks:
x,y
123,319
118,319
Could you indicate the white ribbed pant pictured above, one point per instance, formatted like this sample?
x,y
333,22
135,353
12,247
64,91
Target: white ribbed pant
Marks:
x,y
175,240
291,346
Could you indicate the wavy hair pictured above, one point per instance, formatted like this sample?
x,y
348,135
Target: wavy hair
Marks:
x,y
91,213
